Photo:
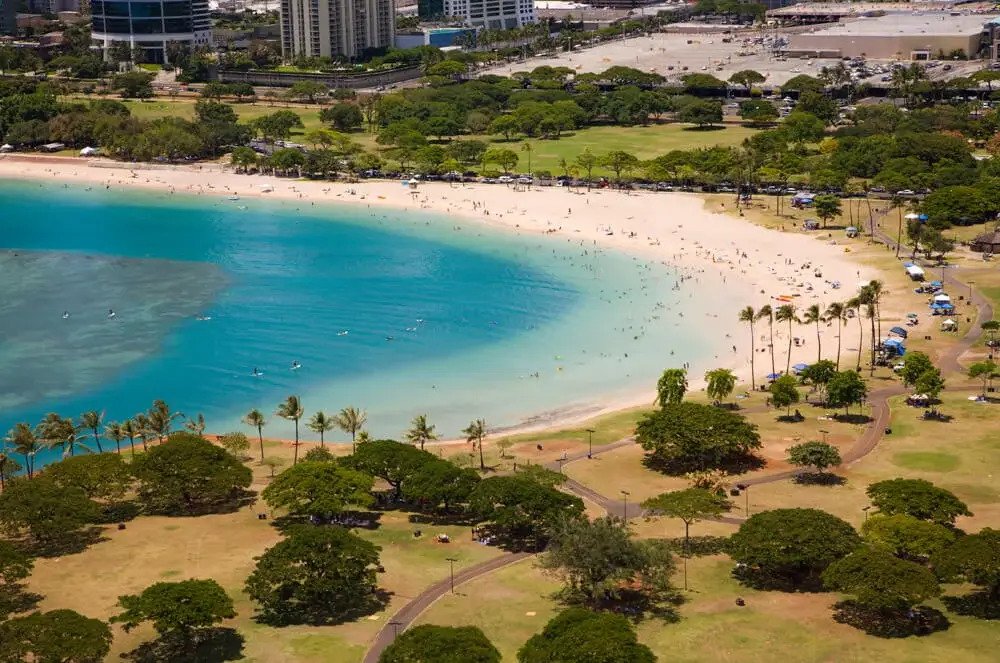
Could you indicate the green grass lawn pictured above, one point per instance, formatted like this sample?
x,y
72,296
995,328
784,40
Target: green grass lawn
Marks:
x,y
643,142
184,108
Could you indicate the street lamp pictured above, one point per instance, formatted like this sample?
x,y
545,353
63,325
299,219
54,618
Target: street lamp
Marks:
x,y
746,491
865,509
625,494
451,561
825,432
562,459
590,443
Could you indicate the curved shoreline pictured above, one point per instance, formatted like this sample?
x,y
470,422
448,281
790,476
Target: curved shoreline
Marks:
x,y
673,229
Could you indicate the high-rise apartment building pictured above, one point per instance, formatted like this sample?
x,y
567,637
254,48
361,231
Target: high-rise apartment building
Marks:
x,y
492,14
150,25
336,28
8,17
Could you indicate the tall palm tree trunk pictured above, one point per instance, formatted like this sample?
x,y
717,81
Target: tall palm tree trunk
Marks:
x,y
753,354
131,442
872,367
788,355
770,326
819,343
295,456
322,440
861,338
97,441
482,460
260,438
840,328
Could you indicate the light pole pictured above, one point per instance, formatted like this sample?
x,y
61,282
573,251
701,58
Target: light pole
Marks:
x,y
746,491
825,432
562,459
625,494
865,509
590,443
971,283
451,561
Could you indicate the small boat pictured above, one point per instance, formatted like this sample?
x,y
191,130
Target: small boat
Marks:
x,y
343,333
234,197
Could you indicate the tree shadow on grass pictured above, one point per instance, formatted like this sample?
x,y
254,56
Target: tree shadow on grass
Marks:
x,y
765,581
208,645
977,604
72,543
698,545
819,479
919,621
14,600
431,518
857,419
706,128
364,606
369,520
634,604
736,464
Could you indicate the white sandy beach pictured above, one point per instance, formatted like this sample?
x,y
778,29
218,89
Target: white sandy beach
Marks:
x,y
672,228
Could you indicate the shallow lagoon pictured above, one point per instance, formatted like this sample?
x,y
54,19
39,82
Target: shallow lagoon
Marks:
x,y
442,316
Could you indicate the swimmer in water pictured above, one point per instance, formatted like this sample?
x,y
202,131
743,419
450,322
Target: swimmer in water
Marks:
x,y
256,373
111,313
65,315
296,365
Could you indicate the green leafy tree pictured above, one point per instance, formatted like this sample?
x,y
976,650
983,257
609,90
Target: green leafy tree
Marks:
x,y
316,575
914,364
586,160
420,431
671,387
918,498
690,506
719,383
703,113
790,548
578,634
53,515
235,443
819,373
307,90
256,419
189,475
817,456
695,436
619,162
598,559
801,128
522,510
784,392
57,636
974,558
881,581
342,117
176,609
827,207
319,455
441,644
930,383
747,78
133,84
985,371
907,537
440,483
845,389
758,112
319,489
102,477
291,409
391,461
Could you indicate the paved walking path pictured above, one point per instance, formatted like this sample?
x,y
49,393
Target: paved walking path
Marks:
x,y
949,362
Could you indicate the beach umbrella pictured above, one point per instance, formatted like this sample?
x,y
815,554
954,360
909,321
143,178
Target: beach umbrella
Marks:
x,y
773,376
922,217
798,368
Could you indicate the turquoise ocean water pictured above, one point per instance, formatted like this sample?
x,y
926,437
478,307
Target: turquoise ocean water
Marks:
x,y
400,313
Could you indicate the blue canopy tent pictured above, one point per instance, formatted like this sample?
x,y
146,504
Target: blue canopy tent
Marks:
x,y
798,368
894,345
899,331
936,284
773,376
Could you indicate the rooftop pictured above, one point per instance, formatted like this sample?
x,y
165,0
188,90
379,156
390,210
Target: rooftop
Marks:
x,y
910,23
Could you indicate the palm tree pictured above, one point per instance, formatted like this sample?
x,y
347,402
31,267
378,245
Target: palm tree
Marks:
x,y
475,432
256,419
813,315
159,419
871,296
292,409
352,420
786,312
59,432
114,432
876,290
837,311
129,429
767,312
143,428
8,466
748,315
92,421
854,304
320,423
26,442
196,425
420,432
